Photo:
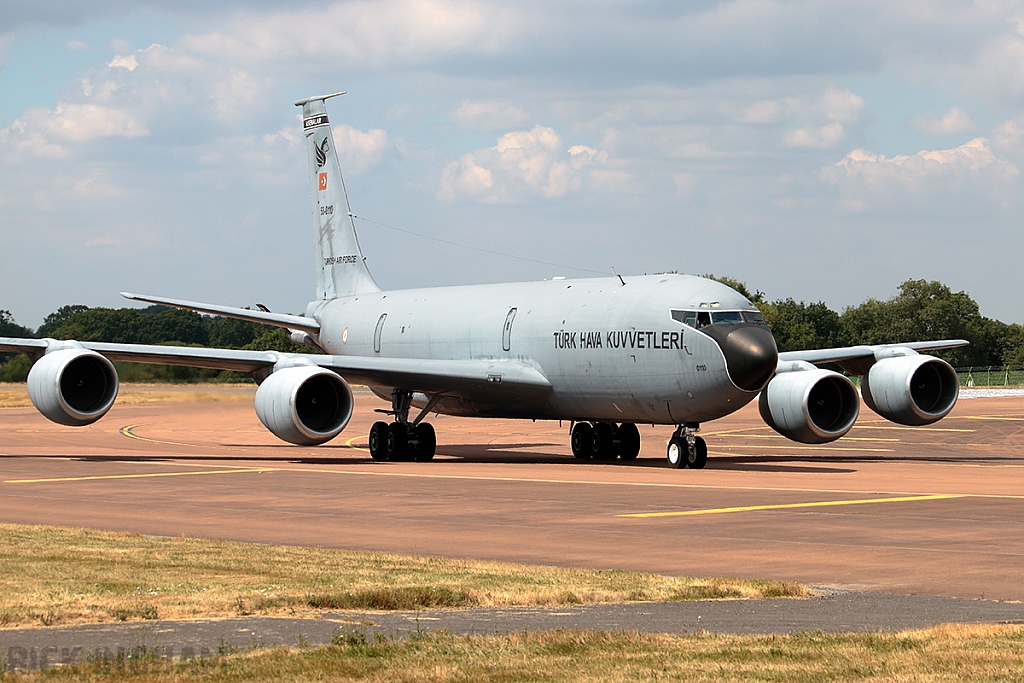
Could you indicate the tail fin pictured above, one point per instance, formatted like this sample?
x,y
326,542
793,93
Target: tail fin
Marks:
x,y
341,269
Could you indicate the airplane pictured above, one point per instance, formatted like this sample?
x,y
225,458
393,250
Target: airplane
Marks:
x,y
604,354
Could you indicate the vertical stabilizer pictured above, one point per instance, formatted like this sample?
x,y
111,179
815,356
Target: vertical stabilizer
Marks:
x,y
341,269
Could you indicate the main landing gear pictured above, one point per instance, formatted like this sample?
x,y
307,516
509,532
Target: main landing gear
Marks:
x,y
605,441
686,449
401,439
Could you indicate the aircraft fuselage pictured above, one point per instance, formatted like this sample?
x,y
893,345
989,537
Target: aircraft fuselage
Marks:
x,y
612,352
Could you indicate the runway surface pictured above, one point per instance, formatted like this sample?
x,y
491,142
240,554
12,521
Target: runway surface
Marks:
x,y
935,510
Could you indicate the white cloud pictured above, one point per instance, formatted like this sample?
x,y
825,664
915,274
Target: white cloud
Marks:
x,y
362,33
837,111
41,133
80,123
998,71
175,61
765,111
72,189
96,185
358,150
953,122
1008,138
238,91
124,62
522,163
826,137
76,46
928,180
83,122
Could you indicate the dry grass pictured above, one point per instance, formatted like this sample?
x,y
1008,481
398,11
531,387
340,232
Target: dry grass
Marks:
x,y
946,653
16,395
52,575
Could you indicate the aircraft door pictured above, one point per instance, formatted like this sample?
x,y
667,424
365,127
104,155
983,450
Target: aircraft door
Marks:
x,y
378,331
506,332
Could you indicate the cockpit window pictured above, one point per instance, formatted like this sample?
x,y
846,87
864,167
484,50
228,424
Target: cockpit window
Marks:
x,y
699,319
685,317
732,317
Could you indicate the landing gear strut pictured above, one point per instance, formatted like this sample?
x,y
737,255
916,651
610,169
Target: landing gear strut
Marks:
x,y
605,441
686,449
402,439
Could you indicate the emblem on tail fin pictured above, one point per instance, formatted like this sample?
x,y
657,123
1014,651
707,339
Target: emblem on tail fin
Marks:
x,y
321,154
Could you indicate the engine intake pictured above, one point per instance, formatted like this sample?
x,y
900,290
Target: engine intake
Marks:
x,y
810,406
304,405
911,390
73,387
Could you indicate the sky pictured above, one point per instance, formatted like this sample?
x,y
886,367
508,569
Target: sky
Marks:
x,y
825,151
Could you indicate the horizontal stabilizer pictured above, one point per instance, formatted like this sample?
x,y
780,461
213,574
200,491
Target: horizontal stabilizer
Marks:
x,y
292,322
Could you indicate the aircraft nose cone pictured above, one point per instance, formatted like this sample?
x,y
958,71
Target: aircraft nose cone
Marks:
x,y
750,353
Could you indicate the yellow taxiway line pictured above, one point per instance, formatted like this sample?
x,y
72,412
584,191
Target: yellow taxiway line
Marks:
x,y
790,506
127,431
148,475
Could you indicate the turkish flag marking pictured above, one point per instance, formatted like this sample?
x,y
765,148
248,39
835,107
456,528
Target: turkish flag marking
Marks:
x,y
323,182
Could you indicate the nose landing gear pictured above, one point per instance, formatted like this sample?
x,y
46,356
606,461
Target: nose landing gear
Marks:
x,y
686,449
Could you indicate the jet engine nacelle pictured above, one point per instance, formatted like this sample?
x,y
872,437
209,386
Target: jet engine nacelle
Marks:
x,y
304,405
911,390
72,386
810,405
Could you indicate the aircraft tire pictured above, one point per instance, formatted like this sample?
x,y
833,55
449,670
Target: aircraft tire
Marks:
x,y
424,433
580,440
629,441
676,452
602,442
699,458
378,439
396,441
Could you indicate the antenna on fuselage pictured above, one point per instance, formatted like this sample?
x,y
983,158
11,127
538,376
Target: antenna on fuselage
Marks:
x,y
618,276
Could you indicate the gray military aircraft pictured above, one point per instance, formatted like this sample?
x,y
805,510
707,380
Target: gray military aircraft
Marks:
x,y
603,354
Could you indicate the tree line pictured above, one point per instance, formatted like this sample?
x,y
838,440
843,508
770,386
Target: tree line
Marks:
x,y
921,311
153,325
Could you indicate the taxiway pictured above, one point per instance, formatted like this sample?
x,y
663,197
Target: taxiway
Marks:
x,y
935,510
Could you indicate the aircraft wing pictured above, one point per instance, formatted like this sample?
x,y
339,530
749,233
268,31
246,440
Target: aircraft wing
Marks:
x,y
33,347
294,322
854,358
217,359
475,379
